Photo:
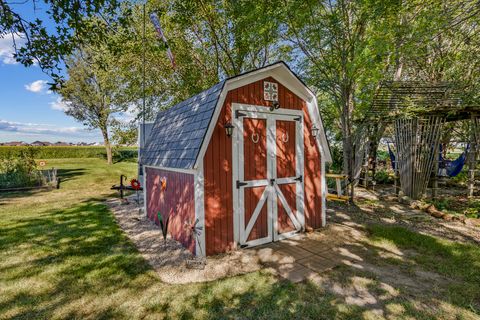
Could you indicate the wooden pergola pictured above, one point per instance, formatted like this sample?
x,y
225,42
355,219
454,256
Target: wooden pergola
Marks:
x,y
418,111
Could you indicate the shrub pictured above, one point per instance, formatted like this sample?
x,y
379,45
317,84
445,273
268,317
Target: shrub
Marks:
x,y
473,210
383,177
53,152
20,171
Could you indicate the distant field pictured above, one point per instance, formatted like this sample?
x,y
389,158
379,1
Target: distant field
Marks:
x,y
52,152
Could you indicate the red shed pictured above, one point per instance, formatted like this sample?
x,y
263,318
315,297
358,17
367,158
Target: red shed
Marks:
x,y
244,160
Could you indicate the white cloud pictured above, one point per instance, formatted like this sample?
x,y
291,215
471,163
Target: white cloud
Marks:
x,y
59,104
35,128
39,86
6,48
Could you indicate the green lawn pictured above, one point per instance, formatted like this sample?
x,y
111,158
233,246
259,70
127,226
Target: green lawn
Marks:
x,y
63,256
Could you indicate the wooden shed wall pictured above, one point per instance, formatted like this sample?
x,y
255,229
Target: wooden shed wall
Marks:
x,y
176,201
218,167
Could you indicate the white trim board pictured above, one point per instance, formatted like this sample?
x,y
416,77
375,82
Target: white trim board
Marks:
x,y
282,74
199,191
187,171
272,193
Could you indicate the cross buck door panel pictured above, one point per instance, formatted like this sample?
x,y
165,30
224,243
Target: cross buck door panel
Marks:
x,y
255,222
268,174
287,176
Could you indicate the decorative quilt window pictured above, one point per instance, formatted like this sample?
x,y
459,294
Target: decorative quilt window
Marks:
x,y
270,91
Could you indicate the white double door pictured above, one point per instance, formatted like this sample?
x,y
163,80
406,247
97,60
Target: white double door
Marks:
x,y
268,174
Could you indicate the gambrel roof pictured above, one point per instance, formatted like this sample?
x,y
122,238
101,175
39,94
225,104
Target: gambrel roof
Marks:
x,y
178,132
181,133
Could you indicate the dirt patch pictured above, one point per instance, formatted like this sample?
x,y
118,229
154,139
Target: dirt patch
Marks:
x,y
380,207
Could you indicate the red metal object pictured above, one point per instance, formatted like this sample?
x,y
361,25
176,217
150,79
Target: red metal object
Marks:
x,y
135,184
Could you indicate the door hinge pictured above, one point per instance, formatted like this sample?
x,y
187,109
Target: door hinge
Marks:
x,y
239,114
300,179
298,119
241,184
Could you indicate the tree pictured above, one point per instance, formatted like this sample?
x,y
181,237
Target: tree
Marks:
x,y
211,40
124,132
91,91
35,42
344,48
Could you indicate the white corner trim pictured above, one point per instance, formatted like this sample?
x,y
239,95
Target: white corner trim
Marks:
x,y
199,191
324,187
144,191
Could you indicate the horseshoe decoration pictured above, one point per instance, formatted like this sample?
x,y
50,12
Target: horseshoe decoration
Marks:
x,y
255,137
285,137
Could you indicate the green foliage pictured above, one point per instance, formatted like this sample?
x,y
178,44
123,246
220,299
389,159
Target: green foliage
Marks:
x,y
441,204
47,46
337,159
52,152
448,258
383,155
462,177
124,133
383,177
20,171
473,210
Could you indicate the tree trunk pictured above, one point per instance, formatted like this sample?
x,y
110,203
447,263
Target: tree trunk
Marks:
x,y
108,147
348,148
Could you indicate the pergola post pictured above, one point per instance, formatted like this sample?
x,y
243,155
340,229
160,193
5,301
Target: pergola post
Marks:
x,y
473,155
417,144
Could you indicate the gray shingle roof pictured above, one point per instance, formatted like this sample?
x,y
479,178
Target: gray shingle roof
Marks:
x,y
178,132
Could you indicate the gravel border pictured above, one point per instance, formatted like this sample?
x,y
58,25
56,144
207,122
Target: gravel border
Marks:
x,y
170,259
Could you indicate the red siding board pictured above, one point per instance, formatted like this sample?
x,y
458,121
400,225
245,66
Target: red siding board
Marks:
x,y
218,167
176,201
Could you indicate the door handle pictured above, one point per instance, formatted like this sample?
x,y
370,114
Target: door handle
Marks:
x,y
240,184
299,179
272,182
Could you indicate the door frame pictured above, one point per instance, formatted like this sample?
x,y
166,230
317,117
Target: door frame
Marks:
x,y
262,112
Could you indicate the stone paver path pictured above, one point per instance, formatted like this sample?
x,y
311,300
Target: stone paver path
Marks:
x,y
305,256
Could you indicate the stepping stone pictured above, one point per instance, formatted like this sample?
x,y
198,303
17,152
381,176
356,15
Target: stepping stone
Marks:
x,y
293,251
318,263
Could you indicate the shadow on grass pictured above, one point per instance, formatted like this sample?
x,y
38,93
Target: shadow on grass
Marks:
x,y
20,194
82,254
89,264
458,262
68,174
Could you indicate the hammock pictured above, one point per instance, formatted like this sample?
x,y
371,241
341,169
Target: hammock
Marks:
x,y
450,168
392,156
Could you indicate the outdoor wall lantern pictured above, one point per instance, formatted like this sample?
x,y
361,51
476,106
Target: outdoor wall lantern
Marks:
x,y
274,105
229,129
315,131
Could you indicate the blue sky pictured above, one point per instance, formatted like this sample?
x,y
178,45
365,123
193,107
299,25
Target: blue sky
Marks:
x,y
28,111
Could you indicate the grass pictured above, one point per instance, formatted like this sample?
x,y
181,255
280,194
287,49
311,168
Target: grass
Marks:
x,y
456,261
63,256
